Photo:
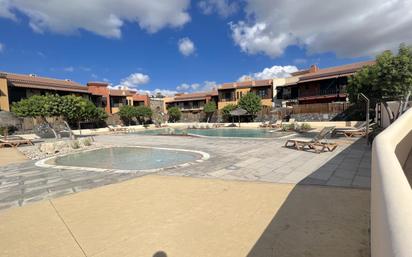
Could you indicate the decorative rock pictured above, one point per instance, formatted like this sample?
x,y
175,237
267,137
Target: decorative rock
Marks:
x,y
48,148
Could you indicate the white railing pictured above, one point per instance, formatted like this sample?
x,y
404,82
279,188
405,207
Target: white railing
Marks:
x,y
391,194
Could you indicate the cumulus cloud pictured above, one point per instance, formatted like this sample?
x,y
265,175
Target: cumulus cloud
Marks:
x,y
164,92
186,46
364,27
224,8
271,73
68,69
197,87
104,18
134,80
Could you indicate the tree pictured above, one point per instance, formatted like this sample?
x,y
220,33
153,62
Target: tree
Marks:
x,y
390,77
76,109
143,113
174,114
209,109
37,106
72,108
251,103
226,111
127,113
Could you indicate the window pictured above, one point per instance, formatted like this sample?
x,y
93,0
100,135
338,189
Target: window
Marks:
x,y
195,104
118,101
262,93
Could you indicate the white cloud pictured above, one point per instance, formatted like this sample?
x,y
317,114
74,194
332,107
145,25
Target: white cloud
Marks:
x,y
224,8
102,17
1,47
134,80
271,73
300,61
165,92
197,87
349,28
68,69
186,46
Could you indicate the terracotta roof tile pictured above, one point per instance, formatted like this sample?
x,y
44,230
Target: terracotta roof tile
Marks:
x,y
246,84
29,81
193,96
347,69
119,92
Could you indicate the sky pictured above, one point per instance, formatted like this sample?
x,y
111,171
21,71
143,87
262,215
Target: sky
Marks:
x,y
172,46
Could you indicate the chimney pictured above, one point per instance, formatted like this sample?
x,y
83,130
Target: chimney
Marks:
x,y
313,68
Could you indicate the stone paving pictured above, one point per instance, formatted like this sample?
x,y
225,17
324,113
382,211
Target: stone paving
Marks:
x,y
231,159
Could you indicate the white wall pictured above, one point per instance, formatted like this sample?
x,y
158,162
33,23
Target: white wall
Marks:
x,y
391,194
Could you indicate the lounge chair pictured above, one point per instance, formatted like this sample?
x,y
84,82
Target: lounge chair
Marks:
x,y
359,130
14,141
264,124
116,128
314,143
277,124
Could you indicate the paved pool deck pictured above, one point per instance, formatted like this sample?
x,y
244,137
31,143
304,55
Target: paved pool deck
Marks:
x,y
251,198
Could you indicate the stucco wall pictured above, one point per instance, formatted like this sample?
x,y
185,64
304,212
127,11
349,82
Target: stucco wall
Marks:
x,y
391,194
4,95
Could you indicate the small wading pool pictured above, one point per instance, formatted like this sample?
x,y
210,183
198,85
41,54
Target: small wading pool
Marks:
x,y
126,158
222,132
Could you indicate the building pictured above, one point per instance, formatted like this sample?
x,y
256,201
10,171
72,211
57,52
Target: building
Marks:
x,y
230,93
316,85
113,99
191,105
193,102
14,87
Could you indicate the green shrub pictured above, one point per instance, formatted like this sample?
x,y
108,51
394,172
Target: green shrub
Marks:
x,y
143,113
305,126
174,114
251,103
87,142
75,144
74,109
209,109
226,111
127,113
288,127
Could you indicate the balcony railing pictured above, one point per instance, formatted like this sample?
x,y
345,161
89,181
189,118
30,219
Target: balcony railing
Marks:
x,y
232,99
322,92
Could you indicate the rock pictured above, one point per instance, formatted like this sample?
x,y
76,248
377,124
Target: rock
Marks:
x,y
48,148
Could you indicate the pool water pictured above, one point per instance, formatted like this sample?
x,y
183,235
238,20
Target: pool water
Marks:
x,y
128,158
222,132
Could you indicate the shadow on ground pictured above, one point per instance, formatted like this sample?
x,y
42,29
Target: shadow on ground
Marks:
x,y
160,254
318,220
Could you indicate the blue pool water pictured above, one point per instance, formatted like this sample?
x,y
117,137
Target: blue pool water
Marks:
x,y
222,132
128,158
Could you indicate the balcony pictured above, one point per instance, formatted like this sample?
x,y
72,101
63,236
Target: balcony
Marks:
x,y
230,99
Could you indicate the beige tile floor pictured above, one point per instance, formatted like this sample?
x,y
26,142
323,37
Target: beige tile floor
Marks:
x,y
192,217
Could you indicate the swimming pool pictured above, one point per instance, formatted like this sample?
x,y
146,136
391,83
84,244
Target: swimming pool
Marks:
x,y
221,132
126,159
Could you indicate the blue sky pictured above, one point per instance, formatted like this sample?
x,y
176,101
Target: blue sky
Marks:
x,y
140,50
